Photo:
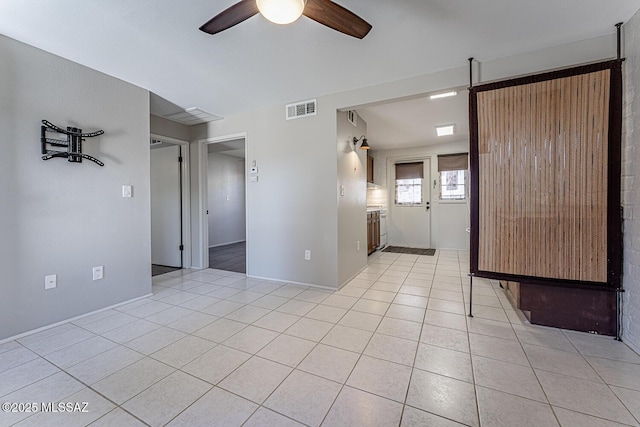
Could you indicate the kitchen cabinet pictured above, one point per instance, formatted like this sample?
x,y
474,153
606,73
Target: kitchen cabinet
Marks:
x,y
373,231
369,169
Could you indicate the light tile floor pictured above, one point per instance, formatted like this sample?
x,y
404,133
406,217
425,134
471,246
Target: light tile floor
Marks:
x,y
393,347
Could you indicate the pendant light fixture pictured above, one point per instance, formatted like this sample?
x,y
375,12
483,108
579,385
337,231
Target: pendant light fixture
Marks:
x,y
281,11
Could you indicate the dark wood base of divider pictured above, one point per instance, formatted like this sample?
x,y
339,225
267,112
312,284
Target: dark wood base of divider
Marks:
x,y
579,309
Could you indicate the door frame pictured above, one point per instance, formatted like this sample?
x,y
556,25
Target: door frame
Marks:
x,y
186,190
391,186
203,195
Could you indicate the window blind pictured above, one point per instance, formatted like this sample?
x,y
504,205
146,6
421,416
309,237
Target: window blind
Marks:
x,y
453,162
410,170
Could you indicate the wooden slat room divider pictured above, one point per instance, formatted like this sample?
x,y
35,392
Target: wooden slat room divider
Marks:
x,y
545,157
543,178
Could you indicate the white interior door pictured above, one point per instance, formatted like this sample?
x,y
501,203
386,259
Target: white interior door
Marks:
x,y
165,206
410,208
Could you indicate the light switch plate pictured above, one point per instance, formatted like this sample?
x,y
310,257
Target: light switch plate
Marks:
x,y
127,191
253,178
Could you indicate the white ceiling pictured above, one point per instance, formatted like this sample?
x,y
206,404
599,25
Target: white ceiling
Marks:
x,y
156,44
412,123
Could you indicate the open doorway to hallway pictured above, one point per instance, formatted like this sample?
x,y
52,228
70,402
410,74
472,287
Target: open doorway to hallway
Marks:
x,y
226,205
169,206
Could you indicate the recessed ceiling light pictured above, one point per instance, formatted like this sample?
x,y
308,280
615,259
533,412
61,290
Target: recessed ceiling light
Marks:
x,y
443,95
445,130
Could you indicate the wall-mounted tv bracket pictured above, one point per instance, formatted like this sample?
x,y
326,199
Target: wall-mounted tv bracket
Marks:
x,y
73,143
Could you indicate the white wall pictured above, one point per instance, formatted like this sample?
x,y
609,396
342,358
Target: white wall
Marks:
x,y
352,206
166,127
448,218
226,188
65,218
294,205
631,184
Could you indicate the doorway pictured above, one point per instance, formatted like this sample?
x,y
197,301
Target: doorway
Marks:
x,y
410,203
225,225
169,222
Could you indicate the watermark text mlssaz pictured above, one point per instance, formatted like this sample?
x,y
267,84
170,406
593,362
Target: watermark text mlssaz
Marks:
x,y
52,407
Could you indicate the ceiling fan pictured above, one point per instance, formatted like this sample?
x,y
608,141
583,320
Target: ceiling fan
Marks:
x,y
325,12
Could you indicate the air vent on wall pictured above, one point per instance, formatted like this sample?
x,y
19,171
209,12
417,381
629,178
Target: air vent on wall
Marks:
x,y
301,109
352,117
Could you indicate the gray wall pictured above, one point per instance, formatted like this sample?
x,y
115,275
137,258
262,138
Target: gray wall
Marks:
x,y
631,184
226,188
294,206
352,207
65,218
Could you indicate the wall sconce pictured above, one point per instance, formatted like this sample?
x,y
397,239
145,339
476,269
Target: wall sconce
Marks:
x,y
364,145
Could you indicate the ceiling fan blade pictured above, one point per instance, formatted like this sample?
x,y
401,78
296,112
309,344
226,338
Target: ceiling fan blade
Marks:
x,y
337,17
235,14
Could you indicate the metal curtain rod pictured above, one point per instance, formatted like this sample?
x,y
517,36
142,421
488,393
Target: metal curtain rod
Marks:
x,y
618,39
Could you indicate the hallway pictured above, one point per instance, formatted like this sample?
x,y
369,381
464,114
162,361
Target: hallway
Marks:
x,y
229,257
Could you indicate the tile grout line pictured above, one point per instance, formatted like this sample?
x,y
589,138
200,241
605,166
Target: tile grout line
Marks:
x,y
413,364
87,386
544,392
473,371
383,316
361,353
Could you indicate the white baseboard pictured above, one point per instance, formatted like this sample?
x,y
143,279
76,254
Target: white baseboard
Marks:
x,y
62,322
631,345
292,282
353,277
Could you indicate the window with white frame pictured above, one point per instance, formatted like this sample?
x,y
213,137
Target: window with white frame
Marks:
x,y
453,169
409,178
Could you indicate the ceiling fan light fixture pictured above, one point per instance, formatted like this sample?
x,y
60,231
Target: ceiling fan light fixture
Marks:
x,y
281,11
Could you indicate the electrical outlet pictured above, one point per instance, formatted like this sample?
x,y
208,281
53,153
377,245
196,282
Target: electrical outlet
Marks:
x,y
98,272
307,254
127,191
358,245
50,281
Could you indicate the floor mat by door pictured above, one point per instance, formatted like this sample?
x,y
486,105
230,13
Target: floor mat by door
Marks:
x,y
412,251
